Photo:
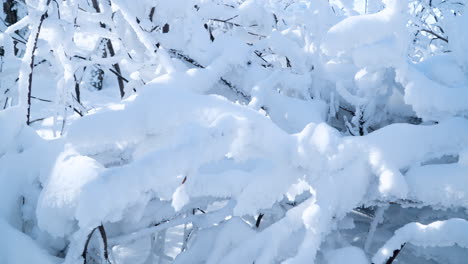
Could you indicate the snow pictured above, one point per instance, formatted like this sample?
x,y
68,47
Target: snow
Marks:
x,y
435,105
62,190
444,184
13,243
356,31
344,255
250,132
439,233
10,120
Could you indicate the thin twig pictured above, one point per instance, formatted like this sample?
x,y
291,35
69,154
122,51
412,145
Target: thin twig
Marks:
x,y
30,79
102,231
191,61
259,219
435,35
395,254
36,120
41,99
118,75
225,21
85,249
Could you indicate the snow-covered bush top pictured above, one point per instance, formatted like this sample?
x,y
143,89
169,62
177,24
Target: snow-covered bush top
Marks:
x,y
222,131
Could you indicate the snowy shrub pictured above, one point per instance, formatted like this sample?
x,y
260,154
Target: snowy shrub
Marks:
x,y
233,131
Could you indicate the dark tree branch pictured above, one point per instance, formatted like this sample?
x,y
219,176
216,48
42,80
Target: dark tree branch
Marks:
x,y
119,76
39,63
30,79
165,28
40,99
191,61
6,103
11,14
102,232
78,112
256,34
85,249
235,89
260,55
117,68
151,14
110,47
226,21
37,120
259,219
395,254
77,89
437,36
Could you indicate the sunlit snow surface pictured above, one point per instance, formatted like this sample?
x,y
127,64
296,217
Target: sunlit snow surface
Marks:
x,y
181,168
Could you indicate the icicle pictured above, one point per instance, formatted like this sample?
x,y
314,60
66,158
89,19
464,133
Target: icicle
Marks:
x,y
378,218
